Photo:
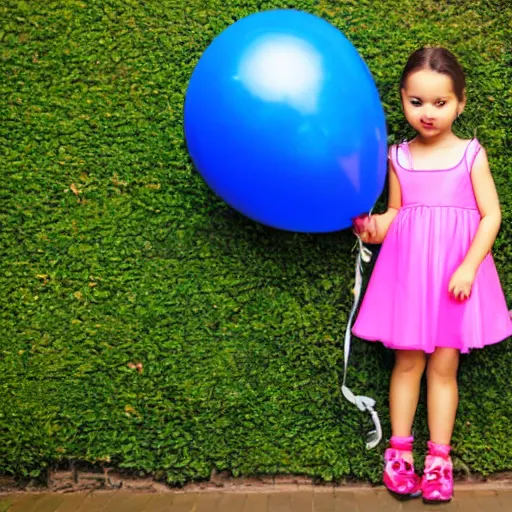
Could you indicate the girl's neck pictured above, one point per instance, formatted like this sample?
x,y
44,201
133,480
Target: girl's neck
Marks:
x,y
443,139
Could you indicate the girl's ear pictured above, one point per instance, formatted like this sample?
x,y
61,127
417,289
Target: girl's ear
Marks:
x,y
462,104
402,94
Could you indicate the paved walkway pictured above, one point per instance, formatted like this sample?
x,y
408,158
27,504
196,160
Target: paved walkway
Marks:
x,y
321,500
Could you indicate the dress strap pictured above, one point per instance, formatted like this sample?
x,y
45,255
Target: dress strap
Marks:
x,y
405,149
396,155
392,155
471,152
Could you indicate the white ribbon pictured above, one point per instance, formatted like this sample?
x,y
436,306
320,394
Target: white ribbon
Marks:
x,y
363,403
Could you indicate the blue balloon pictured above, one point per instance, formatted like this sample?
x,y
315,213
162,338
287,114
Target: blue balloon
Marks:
x,y
284,123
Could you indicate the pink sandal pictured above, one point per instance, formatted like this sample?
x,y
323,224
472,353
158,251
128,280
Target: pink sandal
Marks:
x,y
399,476
437,482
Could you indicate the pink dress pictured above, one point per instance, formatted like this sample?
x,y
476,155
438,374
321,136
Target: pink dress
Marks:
x,y
407,305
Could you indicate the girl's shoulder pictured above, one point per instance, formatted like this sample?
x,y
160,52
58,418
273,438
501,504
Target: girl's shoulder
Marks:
x,y
462,143
467,144
468,149
393,148
473,148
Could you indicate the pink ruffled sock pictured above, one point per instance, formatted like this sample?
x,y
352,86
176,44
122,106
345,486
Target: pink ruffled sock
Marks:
x,y
402,443
399,475
439,450
437,482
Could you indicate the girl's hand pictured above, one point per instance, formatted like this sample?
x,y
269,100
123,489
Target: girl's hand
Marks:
x,y
365,226
461,282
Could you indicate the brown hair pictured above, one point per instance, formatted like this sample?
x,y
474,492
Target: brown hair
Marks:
x,y
440,60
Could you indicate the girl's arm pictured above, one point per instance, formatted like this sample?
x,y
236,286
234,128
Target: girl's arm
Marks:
x,y
378,225
394,201
489,206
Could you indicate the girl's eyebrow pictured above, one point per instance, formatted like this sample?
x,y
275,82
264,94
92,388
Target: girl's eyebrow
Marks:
x,y
412,96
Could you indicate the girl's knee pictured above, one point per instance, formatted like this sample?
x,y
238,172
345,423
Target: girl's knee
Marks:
x,y
410,361
443,363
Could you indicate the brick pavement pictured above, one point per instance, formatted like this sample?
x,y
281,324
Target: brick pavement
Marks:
x,y
467,499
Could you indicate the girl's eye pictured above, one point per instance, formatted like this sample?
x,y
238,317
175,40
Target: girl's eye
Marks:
x,y
416,103
441,103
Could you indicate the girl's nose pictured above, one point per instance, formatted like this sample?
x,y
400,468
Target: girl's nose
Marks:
x,y
428,113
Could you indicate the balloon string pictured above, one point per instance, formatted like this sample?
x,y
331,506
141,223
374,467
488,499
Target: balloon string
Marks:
x,y
363,403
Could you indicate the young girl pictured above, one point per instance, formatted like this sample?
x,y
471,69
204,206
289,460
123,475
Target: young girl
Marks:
x,y
434,291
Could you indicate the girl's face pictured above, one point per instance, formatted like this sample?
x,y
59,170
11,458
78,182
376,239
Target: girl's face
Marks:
x,y
430,103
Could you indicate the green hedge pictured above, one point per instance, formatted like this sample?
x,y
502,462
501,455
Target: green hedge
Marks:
x,y
115,252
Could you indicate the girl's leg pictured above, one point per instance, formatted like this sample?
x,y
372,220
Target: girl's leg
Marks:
x,y
443,394
442,402
399,475
404,390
